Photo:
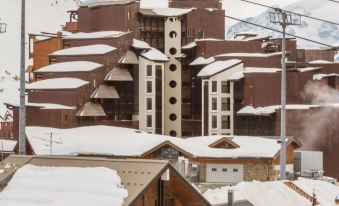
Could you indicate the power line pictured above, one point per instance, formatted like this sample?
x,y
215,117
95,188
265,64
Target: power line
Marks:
x,y
264,27
291,12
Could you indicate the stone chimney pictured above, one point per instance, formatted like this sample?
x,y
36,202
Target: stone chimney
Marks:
x,y
230,197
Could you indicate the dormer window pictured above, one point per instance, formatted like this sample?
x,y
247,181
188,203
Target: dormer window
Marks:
x,y
224,143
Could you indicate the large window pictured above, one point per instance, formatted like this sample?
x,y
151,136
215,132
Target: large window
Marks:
x,y
214,104
149,70
225,122
225,87
214,122
149,86
149,121
149,103
225,104
214,86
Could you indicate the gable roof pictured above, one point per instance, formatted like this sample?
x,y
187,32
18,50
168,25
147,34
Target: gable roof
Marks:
x,y
202,61
119,74
154,55
91,109
129,58
165,12
217,67
224,140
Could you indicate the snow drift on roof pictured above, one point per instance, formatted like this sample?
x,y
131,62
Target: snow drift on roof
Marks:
x,y
116,141
96,49
320,62
154,55
137,44
171,12
189,46
249,54
249,110
33,185
7,145
248,70
276,193
57,83
73,66
321,76
202,61
94,35
217,67
94,3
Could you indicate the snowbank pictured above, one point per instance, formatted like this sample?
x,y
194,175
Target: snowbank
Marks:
x,y
55,186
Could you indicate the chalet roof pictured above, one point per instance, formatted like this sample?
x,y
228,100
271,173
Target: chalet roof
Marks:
x,y
95,3
95,35
138,44
154,55
119,74
202,61
136,175
73,66
96,49
7,145
105,92
57,83
129,58
91,109
117,141
165,12
217,67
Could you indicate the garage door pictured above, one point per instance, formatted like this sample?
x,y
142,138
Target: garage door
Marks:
x,y
224,173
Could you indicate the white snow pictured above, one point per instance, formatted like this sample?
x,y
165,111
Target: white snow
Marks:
x,y
9,90
57,83
94,35
336,58
217,67
307,69
202,61
94,3
138,44
249,110
73,66
320,62
96,49
55,186
321,76
247,70
116,141
249,54
190,45
7,145
171,12
154,55
276,193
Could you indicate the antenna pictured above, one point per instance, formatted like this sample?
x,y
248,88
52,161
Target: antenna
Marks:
x,y
50,141
284,19
3,27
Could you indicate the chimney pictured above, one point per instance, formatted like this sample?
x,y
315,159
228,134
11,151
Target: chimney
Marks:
x,y
337,200
230,197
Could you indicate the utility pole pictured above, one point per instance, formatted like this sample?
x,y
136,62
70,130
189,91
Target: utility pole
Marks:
x,y
22,112
3,27
284,19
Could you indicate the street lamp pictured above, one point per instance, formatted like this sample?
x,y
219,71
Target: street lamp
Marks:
x,y
284,19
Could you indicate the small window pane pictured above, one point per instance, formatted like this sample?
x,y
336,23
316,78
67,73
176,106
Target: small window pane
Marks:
x,y
225,87
149,103
214,122
214,169
235,170
214,86
224,169
214,104
225,122
149,70
149,121
149,87
225,104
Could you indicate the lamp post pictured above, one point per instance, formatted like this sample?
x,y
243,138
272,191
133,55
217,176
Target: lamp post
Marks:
x,y
284,19
22,111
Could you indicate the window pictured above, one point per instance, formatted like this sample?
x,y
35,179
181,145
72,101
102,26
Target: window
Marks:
x,y
225,122
224,169
149,70
225,87
225,104
173,133
149,121
214,122
158,67
173,34
214,86
173,67
214,104
173,84
149,103
235,170
170,153
173,51
214,169
173,117
149,87
173,100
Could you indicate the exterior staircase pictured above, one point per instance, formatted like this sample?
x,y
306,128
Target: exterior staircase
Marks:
x,y
301,192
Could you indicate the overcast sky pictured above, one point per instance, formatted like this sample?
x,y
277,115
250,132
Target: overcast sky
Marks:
x,y
235,8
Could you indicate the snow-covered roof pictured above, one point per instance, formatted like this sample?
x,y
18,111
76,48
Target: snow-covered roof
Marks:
x,y
138,44
202,61
308,69
248,70
95,35
320,62
166,12
249,54
73,66
116,141
321,76
96,49
249,110
7,145
33,185
276,193
217,67
189,46
57,83
94,3
209,39
154,55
